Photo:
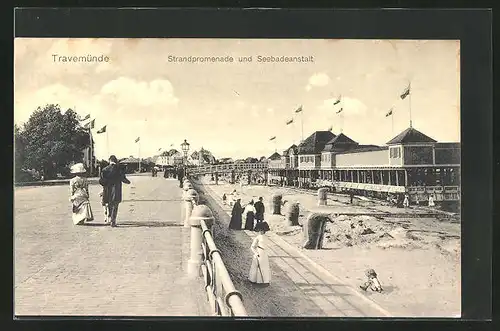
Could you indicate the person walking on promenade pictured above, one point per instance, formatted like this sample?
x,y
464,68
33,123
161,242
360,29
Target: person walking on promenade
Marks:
x,y
259,210
104,206
260,273
431,200
224,199
79,195
111,179
235,223
180,175
249,213
406,201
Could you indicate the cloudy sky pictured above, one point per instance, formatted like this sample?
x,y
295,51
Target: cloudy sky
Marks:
x,y
234,108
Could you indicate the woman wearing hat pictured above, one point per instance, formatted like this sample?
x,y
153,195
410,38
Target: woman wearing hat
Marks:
x,y
260,273
249,213
235,223
79,190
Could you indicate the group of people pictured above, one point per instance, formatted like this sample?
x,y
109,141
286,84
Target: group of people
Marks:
x,y
111,179
253,214
404,201
260,272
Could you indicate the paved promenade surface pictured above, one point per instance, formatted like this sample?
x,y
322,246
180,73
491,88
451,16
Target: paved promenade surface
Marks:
x,y
136,269
298,287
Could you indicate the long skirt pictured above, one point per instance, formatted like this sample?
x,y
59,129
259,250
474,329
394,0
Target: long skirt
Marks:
x,y
260,272
249,221
82,213
235,223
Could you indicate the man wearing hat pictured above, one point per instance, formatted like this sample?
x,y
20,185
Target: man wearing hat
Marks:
x,y
111,179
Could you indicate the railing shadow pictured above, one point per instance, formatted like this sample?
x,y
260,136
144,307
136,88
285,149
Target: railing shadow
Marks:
x,y
147,224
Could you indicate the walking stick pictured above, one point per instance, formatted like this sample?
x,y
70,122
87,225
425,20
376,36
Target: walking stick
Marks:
x,y
258,266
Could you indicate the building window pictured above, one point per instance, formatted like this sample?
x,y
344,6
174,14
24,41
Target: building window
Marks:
x,y
418,155
395,152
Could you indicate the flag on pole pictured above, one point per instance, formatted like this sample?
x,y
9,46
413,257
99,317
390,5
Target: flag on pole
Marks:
x,y
137,140
405,93
272,138
289,122
330,128
85,118
337,101
338,112
90,125
298,110
102,130
389,113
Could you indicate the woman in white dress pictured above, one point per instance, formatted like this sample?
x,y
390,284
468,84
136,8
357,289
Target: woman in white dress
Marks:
x,y
79,195
260,273
431,200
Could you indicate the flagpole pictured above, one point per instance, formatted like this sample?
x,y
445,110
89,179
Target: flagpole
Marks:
x,y
409,90
302,123
91,161
392,120
107,143
139,155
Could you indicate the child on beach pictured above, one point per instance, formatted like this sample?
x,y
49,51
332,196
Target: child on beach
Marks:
x,y
104,205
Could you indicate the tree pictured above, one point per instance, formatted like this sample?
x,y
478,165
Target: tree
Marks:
x,y
53,140
19,151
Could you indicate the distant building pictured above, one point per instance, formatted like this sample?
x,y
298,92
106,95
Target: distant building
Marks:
x,y
132,164
171,158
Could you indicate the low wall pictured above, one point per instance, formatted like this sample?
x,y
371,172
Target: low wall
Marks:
x,y
54,182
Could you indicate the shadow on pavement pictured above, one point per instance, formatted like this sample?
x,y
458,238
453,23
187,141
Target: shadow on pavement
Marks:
x,y
95,224
146,224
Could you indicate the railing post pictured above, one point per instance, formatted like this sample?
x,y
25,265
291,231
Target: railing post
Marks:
x,y
190,199
200,212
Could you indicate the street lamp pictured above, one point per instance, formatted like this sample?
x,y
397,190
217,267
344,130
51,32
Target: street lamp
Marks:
x,y
185,149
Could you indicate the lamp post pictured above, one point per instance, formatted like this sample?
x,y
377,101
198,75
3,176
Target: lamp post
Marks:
x,y
185,150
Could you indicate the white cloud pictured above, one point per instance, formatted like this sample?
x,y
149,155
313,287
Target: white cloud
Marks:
x,y
319,79
128,91
53,94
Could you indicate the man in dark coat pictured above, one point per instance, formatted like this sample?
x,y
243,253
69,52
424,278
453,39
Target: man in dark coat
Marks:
x,y
111,179
259,210
180,175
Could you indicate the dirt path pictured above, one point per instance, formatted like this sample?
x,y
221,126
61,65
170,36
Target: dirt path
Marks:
x,y
281,298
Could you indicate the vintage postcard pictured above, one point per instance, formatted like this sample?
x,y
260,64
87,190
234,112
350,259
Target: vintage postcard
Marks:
x,y
237,177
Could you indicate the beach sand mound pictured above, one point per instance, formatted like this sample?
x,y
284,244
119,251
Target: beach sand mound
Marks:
x,y
367,230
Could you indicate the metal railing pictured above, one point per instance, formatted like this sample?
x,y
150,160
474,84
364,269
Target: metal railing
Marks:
x,y
223,297
206,260
226,167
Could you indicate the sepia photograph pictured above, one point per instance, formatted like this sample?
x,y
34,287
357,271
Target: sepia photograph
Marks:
x,y
237,177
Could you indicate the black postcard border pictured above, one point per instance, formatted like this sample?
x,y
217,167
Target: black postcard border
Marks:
x,y
472,27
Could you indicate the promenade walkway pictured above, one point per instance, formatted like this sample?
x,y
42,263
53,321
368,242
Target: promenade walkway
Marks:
x,y
298,287
136,269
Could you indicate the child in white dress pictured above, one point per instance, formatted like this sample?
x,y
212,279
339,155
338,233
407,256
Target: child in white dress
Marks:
x,y
260,273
